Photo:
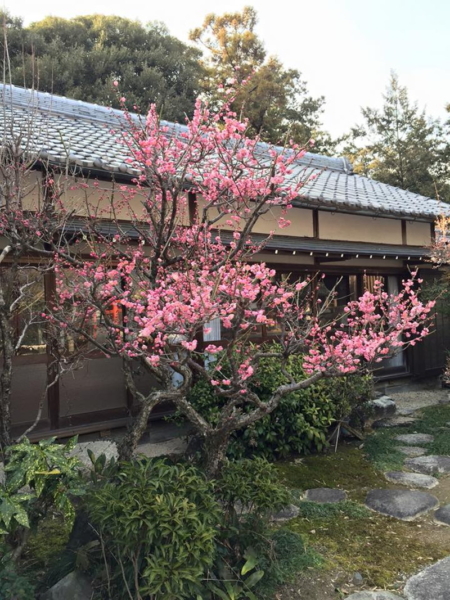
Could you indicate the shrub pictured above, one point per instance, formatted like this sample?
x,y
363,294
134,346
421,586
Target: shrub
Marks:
x,y
157,522
13,585
49,470
301,421
254,485
41,479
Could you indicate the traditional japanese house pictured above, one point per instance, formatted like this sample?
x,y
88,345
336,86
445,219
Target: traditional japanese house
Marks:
x,y
351,228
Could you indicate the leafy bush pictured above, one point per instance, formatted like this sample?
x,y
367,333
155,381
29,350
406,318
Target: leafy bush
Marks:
x,y
157,522
40,479
301,421
282,556
14,585
51,473
254,485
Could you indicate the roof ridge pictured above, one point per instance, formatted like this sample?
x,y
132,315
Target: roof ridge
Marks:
x,y
80,109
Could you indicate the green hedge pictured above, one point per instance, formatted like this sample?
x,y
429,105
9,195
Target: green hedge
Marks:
x,y
302,419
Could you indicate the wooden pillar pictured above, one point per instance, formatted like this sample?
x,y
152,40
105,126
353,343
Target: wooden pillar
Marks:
x,y
404,240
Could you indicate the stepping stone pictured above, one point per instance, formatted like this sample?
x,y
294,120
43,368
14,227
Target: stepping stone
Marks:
x,y
406,412
286,514
442,516
414,438
325,495
412,479
373,596
412,451
433,583
394,422
430,465
401,504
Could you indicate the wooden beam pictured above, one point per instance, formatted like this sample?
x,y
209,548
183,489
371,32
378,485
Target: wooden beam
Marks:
x,y
315,215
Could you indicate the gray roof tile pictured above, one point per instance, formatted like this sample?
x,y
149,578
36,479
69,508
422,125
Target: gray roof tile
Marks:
x,y
61,129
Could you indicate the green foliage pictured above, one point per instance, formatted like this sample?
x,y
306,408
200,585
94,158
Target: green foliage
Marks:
x,y
381,449
276,101
14,585
301,421
401,146
254,484
283,556
49,470
158,523
80,58
13,513
237,587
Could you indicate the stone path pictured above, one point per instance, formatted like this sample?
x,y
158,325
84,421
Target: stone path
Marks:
x,y
442,516
430,465
433,583
405,505
325,495
412,451
412,479
411,439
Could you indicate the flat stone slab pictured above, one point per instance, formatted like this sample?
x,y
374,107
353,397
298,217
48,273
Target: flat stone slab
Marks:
x,y
433,583
394,422
442,515
74,586
406,412
412,439
152,450
406,505
381,595
286,514
412,479
325,495
412,451
430,465
108,448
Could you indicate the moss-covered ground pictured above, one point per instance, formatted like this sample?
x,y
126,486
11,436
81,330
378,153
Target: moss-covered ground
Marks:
x,y
354,539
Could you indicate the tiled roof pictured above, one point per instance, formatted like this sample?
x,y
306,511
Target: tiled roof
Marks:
x,y
59,129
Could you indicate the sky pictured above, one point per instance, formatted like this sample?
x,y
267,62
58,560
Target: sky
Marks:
x,y
345,49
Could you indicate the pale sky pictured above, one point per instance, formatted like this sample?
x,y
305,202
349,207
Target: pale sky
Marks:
x,y
345,49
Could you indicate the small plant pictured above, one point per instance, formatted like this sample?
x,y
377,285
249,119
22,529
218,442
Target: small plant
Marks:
x,y
157,523
52,477
237,586
49,470
252,484
13,585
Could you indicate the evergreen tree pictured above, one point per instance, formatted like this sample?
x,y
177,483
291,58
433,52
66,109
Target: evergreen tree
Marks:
x,y
275,100
80,57
401,146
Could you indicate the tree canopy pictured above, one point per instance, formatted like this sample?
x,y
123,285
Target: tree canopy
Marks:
x,y
275,100
400,145
80,57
